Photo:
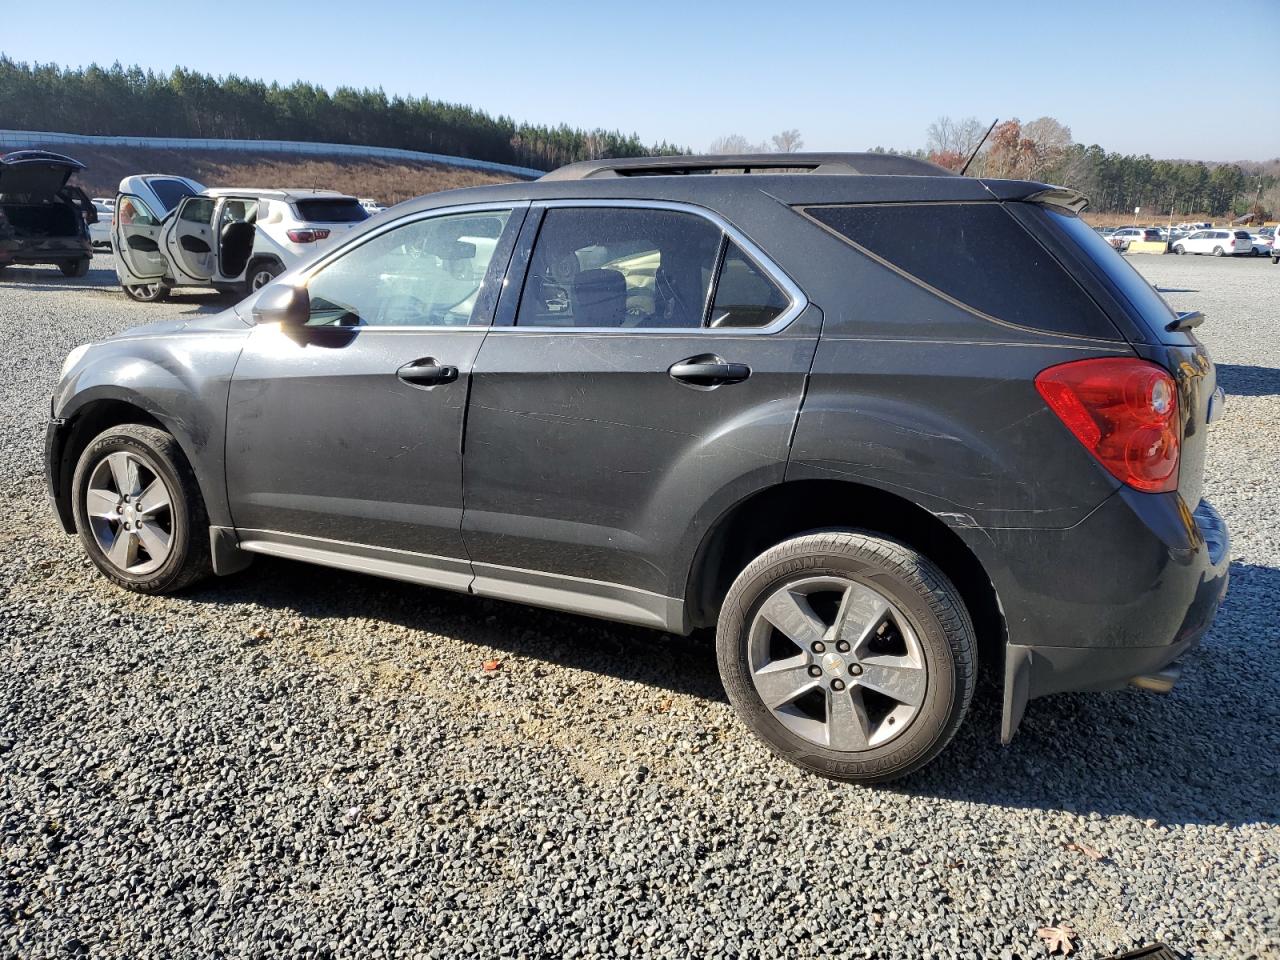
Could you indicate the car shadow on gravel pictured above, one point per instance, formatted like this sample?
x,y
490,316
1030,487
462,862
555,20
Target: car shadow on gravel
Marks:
x,y
1245,381
1205,754
684,665
1209,753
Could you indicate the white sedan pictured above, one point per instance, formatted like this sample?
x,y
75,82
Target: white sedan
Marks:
x,y
1220,243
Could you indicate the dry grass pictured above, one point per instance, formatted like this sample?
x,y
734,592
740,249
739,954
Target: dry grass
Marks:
x,y
386,181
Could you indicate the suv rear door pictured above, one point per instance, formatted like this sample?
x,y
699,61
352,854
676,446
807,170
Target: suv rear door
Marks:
x,y
644,376
187,239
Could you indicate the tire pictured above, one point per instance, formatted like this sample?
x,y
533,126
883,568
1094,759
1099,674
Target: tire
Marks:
x,y
1218,252
924,623
262,273
76,268
156,458
1179,249
148,292
1275,260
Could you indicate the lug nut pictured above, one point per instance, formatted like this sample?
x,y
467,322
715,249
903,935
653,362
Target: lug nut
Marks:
x,y
815,671
843,646
819,646
855,669
837,684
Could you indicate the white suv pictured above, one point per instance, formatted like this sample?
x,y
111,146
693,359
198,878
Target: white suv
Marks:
x,y
1220,242
233,239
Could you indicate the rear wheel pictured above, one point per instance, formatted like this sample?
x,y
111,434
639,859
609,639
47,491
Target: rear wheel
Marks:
x,y
147,292
850,655
76,268
1218,252
1179,249
139,511
262,273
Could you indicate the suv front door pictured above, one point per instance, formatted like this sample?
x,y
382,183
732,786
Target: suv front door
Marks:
x,y
135,236
645,376
344,437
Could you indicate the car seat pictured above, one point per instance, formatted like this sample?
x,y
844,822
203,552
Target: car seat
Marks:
x,y
600,298
236,246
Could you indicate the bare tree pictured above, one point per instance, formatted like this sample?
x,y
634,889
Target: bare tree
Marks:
x,y
1051,140
788,141
948,136
732,143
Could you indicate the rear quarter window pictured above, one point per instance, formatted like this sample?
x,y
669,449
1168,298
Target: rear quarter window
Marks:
x,y
974,254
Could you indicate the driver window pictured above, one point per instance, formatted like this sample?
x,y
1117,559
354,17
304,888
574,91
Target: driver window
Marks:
x,y
429,273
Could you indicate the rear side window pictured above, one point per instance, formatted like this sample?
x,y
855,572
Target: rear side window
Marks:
x,y
619,267
1149,306
330,211
977,255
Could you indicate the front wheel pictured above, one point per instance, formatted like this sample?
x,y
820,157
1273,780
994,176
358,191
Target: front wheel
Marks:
x,y
848,654
1179,249
147,292
76,268
1218,252
139,511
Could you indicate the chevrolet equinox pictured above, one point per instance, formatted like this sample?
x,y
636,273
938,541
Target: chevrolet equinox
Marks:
x,y
881,426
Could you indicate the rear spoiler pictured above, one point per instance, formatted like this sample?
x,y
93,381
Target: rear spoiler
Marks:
x,y
1029,191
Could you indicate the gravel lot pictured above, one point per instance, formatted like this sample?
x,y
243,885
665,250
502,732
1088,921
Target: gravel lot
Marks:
x,y
304,762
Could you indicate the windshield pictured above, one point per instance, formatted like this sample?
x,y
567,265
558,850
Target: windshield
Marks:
x,y
343,210
170,192
1146,303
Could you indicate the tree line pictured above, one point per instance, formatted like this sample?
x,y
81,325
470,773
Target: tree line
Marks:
x,y
128,101
1044,150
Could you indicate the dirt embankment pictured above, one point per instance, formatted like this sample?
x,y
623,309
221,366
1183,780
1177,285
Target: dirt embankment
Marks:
x,y
385,180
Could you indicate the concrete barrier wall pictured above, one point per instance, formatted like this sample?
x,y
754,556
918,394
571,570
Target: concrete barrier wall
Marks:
x,y
1148,246
19,139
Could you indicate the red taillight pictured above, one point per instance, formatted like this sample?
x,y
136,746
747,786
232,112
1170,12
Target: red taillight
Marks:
x,y
307,236
1125,412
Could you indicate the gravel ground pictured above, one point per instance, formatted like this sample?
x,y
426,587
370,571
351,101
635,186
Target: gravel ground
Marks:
x,y
303,762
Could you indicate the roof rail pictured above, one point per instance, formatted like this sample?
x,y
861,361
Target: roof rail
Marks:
x,y
843,164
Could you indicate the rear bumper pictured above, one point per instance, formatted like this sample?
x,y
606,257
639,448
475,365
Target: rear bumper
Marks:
x,y
1121,595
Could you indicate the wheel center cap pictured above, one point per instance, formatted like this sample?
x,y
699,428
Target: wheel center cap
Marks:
x,y
833,663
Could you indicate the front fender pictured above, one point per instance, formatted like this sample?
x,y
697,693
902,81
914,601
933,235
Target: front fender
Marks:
x,y
182,381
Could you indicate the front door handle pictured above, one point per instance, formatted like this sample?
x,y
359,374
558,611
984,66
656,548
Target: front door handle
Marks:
x,y
708,370
427,372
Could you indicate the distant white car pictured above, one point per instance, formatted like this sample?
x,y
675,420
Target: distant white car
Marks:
x,y
234,239
100,232
1127,235
371,205
1263,245
1219,242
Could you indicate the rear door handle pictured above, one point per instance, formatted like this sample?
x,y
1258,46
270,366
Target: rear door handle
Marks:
x,y
708,370
427,372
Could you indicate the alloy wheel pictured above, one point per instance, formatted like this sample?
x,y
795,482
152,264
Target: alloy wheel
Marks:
x,y
130,511
837,663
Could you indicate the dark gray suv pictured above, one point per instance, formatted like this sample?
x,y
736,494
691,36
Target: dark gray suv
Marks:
x,y
882,426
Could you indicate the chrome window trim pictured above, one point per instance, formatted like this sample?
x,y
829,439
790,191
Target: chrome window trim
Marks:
x,y
788,286
305,276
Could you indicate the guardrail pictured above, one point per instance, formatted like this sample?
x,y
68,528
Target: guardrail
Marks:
x,y
18,139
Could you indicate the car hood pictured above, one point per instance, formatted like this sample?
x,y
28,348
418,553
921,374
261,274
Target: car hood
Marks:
x,y
210,323
35,173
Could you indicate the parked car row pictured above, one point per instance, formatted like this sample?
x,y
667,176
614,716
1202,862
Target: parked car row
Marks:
x,y
173,232
166,231
1197,239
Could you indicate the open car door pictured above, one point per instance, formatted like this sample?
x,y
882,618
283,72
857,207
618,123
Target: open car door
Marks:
x,y
187,238
135,237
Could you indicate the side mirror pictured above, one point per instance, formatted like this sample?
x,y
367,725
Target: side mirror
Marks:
x,y
283,303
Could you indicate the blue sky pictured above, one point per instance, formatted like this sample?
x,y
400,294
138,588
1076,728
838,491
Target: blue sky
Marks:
x,y
1158,76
